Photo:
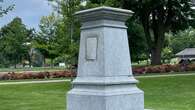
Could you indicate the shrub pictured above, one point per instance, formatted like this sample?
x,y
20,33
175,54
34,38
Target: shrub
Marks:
x,y
190,67
163,69
5,77
139,70
33,75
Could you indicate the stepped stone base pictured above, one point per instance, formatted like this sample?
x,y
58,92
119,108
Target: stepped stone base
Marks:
x,y
118,102
105,97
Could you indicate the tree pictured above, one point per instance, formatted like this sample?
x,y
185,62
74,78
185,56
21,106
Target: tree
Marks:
x,y
137,40
182,39
13,39
158,17
31,33
5,10
68,29
167,54
46,40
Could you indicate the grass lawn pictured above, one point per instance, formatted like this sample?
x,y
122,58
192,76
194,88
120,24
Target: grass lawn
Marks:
x,y
169,93
162,93
49,96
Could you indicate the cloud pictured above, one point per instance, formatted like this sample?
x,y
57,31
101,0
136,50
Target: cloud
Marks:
x,y
30,11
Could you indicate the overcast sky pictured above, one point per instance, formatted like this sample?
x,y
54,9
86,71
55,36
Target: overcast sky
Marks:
x,y
29,10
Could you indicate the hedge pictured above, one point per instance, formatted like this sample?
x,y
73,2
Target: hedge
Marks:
x,y
163,69
66,74
35,75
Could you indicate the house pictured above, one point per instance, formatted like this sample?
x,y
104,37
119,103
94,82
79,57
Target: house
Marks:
x,y
188,53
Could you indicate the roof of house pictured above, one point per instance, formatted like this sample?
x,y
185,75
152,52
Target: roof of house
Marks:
x,y
188,52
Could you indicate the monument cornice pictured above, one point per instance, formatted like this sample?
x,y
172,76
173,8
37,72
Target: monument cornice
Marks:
x,y
104,13
103,25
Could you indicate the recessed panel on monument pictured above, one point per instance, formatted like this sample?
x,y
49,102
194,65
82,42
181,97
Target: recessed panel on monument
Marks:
x,y
91,48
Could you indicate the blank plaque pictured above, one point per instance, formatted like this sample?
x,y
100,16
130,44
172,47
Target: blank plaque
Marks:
x,y
91,48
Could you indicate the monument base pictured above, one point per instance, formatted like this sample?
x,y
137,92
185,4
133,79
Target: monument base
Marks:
x,y
105,97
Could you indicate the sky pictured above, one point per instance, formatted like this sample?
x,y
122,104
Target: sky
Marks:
x,y
30,11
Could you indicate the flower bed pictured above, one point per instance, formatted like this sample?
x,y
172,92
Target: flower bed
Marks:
x,y
35,75
163,69
66,74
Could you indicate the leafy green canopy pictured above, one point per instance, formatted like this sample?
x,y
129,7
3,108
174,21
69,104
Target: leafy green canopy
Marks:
x,y
13,42
58,38
137,41
182,39
45,41
171,14
158,17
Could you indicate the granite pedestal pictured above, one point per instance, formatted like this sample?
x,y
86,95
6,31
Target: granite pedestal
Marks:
x,y
105,80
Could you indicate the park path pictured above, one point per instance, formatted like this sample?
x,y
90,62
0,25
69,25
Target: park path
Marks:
x,y
166,75
29,71
34,82
67,80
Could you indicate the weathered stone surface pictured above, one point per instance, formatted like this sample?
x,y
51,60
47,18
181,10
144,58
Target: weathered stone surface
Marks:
x,y
105,80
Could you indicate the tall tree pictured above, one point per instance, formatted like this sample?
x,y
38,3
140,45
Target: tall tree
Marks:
x,y
68,29
32,35
137,41
158,17
13,39
46,40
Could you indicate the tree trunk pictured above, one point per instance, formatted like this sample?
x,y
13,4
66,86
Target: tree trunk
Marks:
x,y
44,62
155,39
156,50
30,61
156,56
15,64
52,63
15,57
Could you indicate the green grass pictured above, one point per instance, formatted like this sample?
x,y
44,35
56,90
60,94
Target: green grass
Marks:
x,y
169,93
49,96
162,93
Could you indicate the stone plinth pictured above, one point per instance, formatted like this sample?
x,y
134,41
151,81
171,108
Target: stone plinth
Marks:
x,y
105,80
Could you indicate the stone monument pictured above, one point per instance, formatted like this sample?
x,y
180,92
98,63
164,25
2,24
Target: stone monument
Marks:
x,y
105,80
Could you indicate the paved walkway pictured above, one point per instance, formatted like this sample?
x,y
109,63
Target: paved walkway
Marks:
x,y
29,71
66,80
34,82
